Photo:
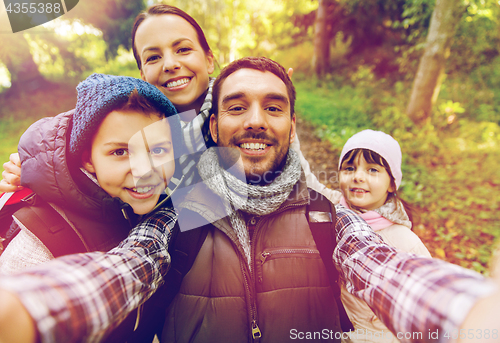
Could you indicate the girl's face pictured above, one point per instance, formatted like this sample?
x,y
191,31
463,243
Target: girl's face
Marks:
x,y
173,60
364,185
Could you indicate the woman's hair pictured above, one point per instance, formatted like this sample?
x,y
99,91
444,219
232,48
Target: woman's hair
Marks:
x,y
374,158
160,9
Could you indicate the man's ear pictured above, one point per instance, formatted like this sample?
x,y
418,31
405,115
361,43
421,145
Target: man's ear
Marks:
x,y
213,127
292,129
87,162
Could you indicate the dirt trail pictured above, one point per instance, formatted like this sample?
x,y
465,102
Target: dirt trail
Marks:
x,y
322,158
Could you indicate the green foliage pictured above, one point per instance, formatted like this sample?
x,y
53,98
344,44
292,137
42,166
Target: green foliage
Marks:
x,y
70,52
10,131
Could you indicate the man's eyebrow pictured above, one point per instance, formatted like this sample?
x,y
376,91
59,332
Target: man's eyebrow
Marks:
x,y
239,95
277,96
232,96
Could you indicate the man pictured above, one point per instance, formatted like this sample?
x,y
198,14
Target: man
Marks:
x,y
258,274
243,286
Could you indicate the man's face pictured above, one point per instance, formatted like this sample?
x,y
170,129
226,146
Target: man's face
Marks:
x,y
254,118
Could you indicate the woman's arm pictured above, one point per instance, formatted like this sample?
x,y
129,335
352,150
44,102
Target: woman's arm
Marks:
x,y
11,175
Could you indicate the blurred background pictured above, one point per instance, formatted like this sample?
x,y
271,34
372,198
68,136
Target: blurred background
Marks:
x,y
425,71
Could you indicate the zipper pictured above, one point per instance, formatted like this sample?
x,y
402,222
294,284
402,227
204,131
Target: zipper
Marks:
x,y
256,333
138,318
255,330
285,252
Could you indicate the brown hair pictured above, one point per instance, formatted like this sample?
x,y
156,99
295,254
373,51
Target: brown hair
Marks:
x,y
374,158
160,9
258,63
138,103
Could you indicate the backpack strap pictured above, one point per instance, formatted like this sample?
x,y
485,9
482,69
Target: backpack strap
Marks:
x,y
184,248
49,227
9,204
321,215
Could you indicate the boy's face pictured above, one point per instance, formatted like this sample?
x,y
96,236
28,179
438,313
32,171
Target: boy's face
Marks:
x,y
132,157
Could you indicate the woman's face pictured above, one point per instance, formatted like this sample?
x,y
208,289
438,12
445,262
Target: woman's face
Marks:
x,y
173,60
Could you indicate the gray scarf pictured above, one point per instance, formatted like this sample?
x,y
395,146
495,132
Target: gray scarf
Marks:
x,y
238,195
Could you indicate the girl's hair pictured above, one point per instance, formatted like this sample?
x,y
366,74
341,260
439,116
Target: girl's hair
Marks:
x,y
160,9
374,158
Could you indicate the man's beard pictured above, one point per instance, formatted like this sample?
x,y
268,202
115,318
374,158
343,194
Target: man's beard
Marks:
x,y
257,173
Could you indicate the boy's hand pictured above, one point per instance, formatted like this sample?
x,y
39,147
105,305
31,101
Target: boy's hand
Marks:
x,y
11,175
16,324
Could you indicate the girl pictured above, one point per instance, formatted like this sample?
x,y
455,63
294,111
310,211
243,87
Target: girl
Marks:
x,y
370,174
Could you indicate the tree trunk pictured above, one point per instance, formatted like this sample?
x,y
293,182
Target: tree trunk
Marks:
x,y
430,71
321,57
23,70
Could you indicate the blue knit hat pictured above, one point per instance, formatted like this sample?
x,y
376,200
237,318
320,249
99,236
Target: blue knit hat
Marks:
x,y
100,94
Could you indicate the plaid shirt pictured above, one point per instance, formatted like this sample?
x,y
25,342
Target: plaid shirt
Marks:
x,y
413,296
82,297
87,295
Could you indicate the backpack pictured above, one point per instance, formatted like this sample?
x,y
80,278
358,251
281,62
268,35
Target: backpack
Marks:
x,y
185,245
51,228
41,219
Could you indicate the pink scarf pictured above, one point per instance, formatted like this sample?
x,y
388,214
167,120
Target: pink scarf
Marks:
x,y
375,220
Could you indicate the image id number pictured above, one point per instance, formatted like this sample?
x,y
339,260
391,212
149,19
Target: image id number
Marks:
x,y
33,8
472,334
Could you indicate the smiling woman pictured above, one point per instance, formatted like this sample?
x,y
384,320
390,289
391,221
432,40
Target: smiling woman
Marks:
x,y
178,63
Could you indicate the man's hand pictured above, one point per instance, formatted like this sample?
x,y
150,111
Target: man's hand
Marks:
x,y
11,175
482,323
16,324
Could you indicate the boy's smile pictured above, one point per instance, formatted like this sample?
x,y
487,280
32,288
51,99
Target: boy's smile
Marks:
x,y
133,165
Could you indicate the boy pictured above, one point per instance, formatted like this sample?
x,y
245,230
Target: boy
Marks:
x,y
102,167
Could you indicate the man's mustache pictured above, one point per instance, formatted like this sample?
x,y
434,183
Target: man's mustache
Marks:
x,y
254,135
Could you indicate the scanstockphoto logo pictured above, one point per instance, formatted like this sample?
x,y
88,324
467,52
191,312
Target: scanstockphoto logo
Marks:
x,y
20,15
